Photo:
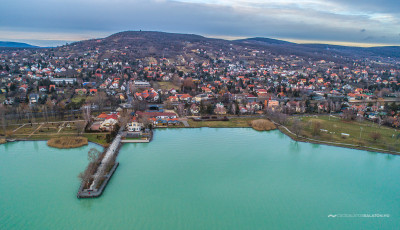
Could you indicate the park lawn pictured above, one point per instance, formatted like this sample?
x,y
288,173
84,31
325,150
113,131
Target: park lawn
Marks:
x,y
46,130
97,138
337,126
42,136
133,138
78,98
51,125
183,69
9,129
67,117
69,130
49,128
166,85
232,123
27,129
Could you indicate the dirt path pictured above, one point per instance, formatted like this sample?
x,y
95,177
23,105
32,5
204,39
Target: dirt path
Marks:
x,y
62,126
15,130
36,130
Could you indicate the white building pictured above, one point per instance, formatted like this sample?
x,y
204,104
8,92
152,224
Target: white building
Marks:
x,y
134,126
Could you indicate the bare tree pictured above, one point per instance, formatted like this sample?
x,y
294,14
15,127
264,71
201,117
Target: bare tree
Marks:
x,y
94,157
188,84
100,99
176,80
80,127
233,108
375,135
145,120
3,118
316,128
168,104
86,112
297,127
349,114
282,118
125,117
50,105
181,109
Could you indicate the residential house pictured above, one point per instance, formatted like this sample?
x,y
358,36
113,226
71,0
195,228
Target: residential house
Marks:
x,y
109,123
134,126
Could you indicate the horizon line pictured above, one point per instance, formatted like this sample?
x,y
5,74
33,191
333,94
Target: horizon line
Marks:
x,y
41,38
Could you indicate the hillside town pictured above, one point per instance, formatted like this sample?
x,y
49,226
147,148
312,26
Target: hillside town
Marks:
x,y
220,82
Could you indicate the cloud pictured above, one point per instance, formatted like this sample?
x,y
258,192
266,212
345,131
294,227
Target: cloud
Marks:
x,y
369,38
308,20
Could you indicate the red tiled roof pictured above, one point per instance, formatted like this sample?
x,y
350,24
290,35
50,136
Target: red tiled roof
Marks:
x,y
103,115
112,116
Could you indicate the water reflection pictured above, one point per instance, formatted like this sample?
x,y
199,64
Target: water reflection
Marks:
x,y
87,204
294,146
281,135
390,156
315,146
36,146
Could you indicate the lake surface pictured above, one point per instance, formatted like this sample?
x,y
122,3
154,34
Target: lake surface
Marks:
x,y
202,179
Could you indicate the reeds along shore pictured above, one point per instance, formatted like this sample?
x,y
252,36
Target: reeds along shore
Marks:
x,y
67,142
262,125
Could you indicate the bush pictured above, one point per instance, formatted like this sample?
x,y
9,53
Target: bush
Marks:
x,y
375,136
67,142
262,125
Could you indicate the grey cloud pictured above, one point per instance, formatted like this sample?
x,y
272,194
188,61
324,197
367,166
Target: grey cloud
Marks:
x,y
372,6
369,38
113,16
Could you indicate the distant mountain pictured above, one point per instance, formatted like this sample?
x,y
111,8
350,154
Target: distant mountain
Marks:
x,y
384,51
144,44
392,51
16,45
387,51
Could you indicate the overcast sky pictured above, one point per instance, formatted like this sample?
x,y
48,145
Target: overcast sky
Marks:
x,y
53,22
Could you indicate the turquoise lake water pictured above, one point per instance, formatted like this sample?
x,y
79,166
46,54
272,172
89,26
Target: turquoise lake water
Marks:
x,y
202,179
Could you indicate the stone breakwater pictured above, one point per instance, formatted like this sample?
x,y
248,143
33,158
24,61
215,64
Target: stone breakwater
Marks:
x,y
101,175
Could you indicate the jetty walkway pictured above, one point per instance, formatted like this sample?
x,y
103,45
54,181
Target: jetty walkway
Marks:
x,y
111,151
100,177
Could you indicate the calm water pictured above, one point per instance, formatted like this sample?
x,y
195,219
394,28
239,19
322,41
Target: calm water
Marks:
x,y
202,179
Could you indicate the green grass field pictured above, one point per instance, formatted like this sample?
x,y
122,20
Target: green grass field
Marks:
x,y
50,130
232,123
360,133
78,98
166,85
97,138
